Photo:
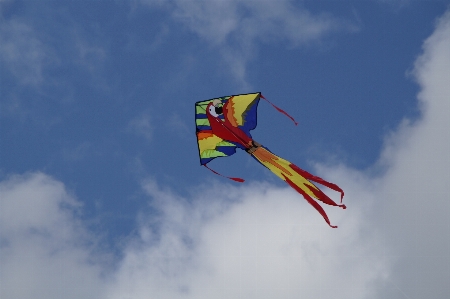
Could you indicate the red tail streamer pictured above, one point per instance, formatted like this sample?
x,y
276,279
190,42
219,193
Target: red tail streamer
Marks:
x,y
279,110
310,201
234,179
319,180
324,198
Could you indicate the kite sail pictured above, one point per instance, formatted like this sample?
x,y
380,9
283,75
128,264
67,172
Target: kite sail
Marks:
x,y
224,124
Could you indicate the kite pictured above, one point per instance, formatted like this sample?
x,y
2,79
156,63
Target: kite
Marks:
x,y
224,124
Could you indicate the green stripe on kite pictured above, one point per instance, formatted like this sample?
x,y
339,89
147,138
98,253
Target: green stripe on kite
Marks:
x,y
212,154
225,143
202,122
200,109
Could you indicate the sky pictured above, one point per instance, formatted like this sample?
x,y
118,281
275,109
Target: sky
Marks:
x,y
101,190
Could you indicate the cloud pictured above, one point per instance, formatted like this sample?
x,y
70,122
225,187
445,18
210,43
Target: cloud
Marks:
x,y
412,194
178,125
247,21
234,27
415,188
77,153
22,52
91,54
38,63
141,125
31,55
45,251
256,240
252,242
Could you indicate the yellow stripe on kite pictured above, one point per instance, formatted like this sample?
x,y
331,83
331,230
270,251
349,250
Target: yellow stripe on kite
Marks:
x,y
208,143
238,106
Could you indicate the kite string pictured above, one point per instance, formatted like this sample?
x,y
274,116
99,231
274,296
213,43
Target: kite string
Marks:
x,y
279,110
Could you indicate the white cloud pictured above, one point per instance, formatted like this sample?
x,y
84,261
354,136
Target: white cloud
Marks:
x,y
233,27
91,55
77,153
416,187
45,252
32,62
22,52
412,195
28,54
257,241
246,21
252,242
141,125
178,125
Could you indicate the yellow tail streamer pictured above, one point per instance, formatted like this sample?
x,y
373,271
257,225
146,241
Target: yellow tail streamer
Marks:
x,y
297,178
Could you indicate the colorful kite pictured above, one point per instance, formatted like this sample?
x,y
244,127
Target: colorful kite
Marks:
x,y
224,124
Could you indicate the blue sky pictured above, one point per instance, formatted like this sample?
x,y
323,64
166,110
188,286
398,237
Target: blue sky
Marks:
x,y
99,155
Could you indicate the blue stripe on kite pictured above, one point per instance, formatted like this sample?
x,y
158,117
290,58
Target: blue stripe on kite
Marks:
x,y
203,128
227,150
250,119
203,116
204,161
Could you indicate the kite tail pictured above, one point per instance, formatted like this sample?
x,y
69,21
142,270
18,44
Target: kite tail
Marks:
x,y
231,178
279,109
299,180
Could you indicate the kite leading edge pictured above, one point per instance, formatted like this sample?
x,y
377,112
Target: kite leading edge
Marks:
x,y
224,124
